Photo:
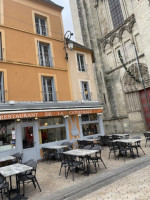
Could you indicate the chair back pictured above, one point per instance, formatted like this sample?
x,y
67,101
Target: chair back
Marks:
x,y
18,157
88,147
69,144
147,135
33,164
97,147
80,144
69,159
28,162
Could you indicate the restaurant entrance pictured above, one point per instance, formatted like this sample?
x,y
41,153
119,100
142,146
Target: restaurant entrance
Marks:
x,y
28,142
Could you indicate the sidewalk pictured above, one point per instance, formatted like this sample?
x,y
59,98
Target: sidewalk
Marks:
x,y
133,187
105,181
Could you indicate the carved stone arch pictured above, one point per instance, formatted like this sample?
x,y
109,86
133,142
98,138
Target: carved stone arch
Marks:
x,y
104,44
131,24
113,37
124,28
130,84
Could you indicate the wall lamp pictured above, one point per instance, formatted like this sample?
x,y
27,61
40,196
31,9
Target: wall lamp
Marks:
x,y
68,43
66,116
99,114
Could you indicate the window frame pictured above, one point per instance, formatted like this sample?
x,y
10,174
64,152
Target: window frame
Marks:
x,y
90,122
80,67
14,140
53,126
84,89
39,26
42,56
116,12
46,91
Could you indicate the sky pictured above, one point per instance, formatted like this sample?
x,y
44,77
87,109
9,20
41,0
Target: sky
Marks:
x,y
66,14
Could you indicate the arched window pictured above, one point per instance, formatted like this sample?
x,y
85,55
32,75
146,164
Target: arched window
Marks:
x,y
116,12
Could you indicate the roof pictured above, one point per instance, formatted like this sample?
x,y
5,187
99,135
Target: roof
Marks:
x,y
83,48
52,3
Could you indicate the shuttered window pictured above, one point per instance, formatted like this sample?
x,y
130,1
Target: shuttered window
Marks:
x,y
49,93
41,27
44,51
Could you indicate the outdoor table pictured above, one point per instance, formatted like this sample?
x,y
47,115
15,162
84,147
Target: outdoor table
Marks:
x,y
55,147
91,140
121,135
88,139
129,140
6,158
14,169
82,153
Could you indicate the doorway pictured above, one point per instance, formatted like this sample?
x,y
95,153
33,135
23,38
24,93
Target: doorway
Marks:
x,y
29,142
145,105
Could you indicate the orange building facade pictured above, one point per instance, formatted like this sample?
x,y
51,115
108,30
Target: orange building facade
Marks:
x,y
37,106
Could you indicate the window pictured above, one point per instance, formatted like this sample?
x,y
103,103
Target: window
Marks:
x,y
81,62
7,135
41,27
85,90
2,93
116,12
133,101
52,129
45,58
1,47
90,124
49,93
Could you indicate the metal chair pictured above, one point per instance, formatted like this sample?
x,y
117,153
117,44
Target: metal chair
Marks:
x,y
18,157
95,159
68,144
147,137
4,187
124,148
113,148
72,165
64,163
29,176
137,145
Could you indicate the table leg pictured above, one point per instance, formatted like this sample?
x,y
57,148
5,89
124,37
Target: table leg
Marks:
x,y
18,196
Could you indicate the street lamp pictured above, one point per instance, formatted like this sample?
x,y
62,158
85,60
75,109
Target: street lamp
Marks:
x,y
68,42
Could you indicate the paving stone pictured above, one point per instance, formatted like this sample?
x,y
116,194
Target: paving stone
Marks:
x,y
122,179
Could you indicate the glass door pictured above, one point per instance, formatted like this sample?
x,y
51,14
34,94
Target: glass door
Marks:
x,y
28,143
28,137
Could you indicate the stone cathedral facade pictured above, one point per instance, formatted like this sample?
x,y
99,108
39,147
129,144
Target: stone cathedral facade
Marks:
x,y
107,26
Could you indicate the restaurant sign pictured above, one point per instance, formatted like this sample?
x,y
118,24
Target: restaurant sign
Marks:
x,y
47,114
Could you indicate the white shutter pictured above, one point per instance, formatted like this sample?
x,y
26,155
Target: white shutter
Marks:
x,y
50,56
38,45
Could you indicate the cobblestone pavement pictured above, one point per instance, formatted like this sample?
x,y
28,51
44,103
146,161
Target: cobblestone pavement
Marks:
x,y
130,187
133,187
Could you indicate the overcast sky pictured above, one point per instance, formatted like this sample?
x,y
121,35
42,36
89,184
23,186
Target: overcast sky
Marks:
x,y
66,14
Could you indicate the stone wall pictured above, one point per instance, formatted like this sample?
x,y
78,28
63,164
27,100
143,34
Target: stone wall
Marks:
x,y
98,33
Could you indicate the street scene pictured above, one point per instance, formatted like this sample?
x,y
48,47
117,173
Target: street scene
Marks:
x,y
74,99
